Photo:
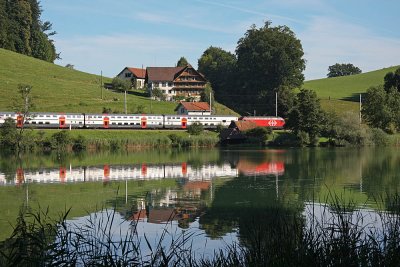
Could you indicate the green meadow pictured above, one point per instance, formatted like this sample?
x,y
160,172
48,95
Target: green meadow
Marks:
x,y
341,94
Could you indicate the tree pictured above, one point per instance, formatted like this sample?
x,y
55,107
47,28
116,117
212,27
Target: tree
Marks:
x,y
375,110
22,105
268,58
219,67
22,30
157,93
306,115
182,62
338,70
205,95
121,84
392,80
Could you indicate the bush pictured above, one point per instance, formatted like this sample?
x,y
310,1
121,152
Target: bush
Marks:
x,y
61,140
79,143
8,134
195,128
287,139
379,137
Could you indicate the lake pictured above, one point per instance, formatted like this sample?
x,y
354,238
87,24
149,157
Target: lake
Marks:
x,y
211,195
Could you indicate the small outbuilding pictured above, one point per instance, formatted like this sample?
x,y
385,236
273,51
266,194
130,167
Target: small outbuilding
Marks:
x,y
234,133
193,108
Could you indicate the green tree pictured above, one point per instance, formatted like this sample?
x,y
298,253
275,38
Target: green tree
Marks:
x,y
158,94
338,70
22,104
375,110
268,59
205,95
182,62
22,30
392,80
306,116
8,134
120,84
219,67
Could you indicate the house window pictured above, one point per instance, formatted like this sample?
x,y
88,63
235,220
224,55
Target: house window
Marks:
x,y
169,91
164,84
127,75
170,84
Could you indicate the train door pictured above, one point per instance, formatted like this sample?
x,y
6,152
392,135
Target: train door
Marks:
x,y
144,169
106,122
61,122
63,174
184,168
143,123
184,123
20,121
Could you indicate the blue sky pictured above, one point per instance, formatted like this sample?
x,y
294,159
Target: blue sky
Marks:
x,y
107,35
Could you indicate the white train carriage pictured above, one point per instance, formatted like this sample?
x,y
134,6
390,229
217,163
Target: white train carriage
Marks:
x,y
124,121
183,121
52,120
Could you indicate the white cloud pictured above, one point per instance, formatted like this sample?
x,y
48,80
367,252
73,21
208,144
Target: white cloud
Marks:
x,y
328,41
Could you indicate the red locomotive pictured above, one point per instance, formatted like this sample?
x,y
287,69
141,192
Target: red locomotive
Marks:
x,y
268,121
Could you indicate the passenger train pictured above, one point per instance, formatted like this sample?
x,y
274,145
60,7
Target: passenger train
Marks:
x,y
131,121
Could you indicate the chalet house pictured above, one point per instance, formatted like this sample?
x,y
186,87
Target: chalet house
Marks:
x,y
135,75
176,81
193,108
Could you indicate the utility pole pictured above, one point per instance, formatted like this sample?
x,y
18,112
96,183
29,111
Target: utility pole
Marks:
x,y
210,104
360,109
125,103
101,85
276,104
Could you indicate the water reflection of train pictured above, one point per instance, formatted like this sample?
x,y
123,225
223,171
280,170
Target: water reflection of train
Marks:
x,y
143,171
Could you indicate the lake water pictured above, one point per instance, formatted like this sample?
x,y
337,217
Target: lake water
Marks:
x,y
210,194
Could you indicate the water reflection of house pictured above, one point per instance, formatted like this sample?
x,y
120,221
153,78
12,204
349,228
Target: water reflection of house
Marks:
x,y
247,167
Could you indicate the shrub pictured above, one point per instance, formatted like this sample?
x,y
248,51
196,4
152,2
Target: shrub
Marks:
x,y
379,137
60,140
79,143
195,128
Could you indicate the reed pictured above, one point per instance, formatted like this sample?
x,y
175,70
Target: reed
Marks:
x,y
338,235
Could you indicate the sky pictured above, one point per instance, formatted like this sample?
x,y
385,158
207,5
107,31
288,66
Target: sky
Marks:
x,y
108,35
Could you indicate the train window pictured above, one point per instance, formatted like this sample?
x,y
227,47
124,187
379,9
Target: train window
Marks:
x,y
40,122
119,117
33,122
126,123
160,123
113,123
68,117
205,123
130,117
132,123
47,122
41,116
206,118
223,120
47,116
27,122
137,117
137,123
125,117
54,116
215,118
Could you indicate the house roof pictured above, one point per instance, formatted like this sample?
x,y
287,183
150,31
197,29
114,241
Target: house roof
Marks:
x,y
166,74
243,125
139,73
194,106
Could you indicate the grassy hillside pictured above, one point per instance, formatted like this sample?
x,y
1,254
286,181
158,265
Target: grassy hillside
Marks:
x,y
342,93
59,89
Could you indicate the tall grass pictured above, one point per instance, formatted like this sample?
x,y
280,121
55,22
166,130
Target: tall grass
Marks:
x,y
339,235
